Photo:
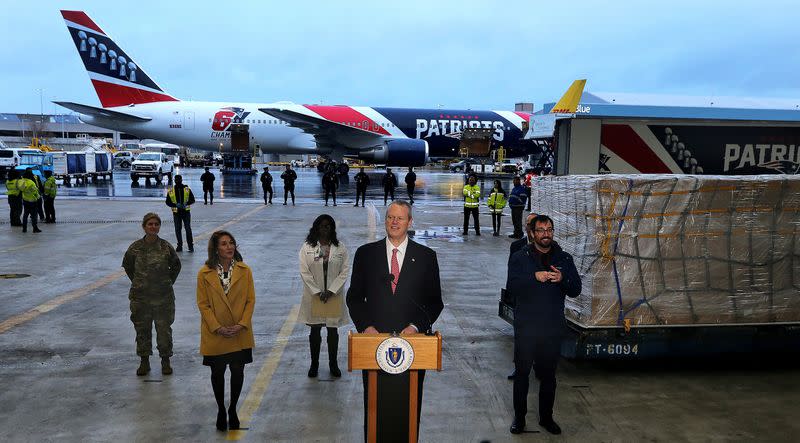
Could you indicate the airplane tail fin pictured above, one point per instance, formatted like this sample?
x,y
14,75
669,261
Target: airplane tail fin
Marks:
x,y
568,104
117,80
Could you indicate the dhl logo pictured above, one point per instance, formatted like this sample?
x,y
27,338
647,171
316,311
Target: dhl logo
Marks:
x,y
568,104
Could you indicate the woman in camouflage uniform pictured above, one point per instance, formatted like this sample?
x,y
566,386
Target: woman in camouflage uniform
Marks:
x,y
152,266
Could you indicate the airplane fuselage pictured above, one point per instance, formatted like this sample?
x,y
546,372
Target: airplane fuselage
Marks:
x,y
209,125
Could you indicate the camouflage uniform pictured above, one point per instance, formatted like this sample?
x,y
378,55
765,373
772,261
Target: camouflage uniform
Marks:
x,y
152,269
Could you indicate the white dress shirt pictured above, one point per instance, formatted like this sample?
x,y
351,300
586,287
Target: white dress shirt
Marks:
x,y
401,253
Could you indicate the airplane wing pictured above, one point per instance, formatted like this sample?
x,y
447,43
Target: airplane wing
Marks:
x,y
327,132
102,113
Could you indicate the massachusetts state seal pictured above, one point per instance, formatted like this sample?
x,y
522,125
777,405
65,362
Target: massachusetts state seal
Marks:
x,y
395,355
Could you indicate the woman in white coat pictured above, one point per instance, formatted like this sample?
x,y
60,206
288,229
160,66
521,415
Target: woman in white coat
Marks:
x,y
324,267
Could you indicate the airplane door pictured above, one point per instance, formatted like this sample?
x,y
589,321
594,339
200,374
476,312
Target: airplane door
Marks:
x,y
188,121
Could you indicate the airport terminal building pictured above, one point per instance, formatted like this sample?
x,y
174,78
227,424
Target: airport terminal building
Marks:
x,y
56,130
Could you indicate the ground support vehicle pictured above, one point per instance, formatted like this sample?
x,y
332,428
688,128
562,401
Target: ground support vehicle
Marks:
x,y
149,165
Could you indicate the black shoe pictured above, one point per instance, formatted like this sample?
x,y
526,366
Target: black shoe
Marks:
x,y
313,370
326,204
222,421
513,236
166,369
478,233
284,203
334,204
212,203
334,367
36,230
191,248
24,229
496,234
355,205
518,426
512,375
205,203
550,426
233,419
465,233
179,249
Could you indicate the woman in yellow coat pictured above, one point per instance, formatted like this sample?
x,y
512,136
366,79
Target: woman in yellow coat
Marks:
x,y
226,297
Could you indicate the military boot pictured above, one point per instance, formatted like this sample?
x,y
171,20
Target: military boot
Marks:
x,y
166,369
144,366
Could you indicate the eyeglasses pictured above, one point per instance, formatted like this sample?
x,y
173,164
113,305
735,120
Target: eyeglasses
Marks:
x,y
544,231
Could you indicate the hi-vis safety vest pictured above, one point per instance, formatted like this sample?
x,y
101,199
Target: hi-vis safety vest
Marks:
x,y
30,192
171,195
12,187
50,187
496,202
471,196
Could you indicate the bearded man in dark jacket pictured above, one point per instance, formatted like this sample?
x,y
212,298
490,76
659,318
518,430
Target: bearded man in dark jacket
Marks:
x,y
540,276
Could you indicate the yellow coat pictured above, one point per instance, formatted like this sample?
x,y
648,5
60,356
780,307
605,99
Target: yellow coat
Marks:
x,y
217,309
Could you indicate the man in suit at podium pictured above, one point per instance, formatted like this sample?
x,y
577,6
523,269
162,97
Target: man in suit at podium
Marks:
x,y
394,288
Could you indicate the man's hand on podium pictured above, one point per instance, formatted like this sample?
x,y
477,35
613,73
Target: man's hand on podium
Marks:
x,y
371,330
410,329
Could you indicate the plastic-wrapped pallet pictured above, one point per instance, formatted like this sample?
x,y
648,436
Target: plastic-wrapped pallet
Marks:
x,y
677,249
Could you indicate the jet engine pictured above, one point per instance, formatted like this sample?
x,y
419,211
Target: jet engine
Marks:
x,y
400,152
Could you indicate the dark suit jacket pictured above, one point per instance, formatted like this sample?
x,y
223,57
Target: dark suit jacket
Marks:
x,y
417,299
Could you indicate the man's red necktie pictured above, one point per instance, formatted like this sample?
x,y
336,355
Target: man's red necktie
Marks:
x,y
395,270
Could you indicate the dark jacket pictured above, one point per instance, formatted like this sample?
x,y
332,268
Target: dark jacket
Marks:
x,y
266,179
539,307
330,181
389,180
289,177
362,179
516,246
518,196
417,298
411,178
208,181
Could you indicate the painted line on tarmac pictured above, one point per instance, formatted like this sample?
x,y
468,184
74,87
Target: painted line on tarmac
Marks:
x,y
17,248
75,294
58,301
264,377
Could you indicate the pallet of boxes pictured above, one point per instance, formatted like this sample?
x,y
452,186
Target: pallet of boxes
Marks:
x,y
683,264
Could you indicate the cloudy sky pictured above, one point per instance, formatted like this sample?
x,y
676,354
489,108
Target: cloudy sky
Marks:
x,y
457,54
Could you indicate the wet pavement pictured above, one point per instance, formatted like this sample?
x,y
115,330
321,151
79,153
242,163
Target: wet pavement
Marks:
x,y
434,186
68,350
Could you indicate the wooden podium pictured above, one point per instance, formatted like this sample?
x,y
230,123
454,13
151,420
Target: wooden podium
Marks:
x,y
362,352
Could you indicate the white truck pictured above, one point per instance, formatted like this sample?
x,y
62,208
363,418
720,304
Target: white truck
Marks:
x,y
151,165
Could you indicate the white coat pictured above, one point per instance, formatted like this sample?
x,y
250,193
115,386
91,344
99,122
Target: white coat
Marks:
x,y
312,274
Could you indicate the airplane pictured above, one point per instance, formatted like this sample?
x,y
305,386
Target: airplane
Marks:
x,y
132,102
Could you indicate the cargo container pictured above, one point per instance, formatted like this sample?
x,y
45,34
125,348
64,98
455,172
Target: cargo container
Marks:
x,y
677,264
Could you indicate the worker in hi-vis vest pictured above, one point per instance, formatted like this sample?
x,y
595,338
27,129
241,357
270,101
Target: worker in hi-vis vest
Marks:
x,y
30,200
14,198
50,191
472,196
180,198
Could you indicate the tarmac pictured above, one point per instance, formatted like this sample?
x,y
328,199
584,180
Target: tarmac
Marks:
x,y
68,352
